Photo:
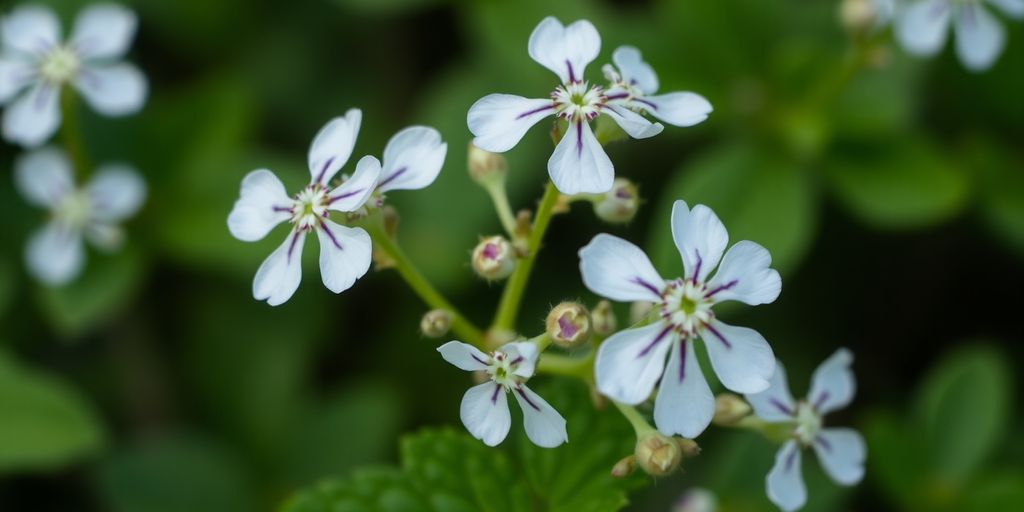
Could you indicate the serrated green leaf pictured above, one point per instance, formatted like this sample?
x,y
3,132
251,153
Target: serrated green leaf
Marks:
x,y
368,490
43,423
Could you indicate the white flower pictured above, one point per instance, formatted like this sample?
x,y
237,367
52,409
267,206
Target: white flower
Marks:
x,y
579,163
412,159
484,408
630,363
36,63
841,451
633,84
55,254
922,28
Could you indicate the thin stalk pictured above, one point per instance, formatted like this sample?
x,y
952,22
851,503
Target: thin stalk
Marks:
x,y
71,134
501,205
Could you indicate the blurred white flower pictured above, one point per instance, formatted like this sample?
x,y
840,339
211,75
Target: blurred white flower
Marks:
x,y
630,363
412,159
841,451
484,408
922,27
579,164
36,63
56,254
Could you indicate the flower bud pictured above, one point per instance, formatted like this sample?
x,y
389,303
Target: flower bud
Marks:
x,y
436,323
730,409
620,204
638,310
486,167
624,467
568,325
857,16
657,454
603,319
494,258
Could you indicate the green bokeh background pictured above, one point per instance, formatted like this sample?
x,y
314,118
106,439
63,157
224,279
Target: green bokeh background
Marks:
x,y
895,211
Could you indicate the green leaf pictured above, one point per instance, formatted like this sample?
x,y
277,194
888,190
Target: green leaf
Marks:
x,y
999,492
8,280
897,460
175,474
1001,191
898,186
44,423
965,405
389,7
758,195
368,490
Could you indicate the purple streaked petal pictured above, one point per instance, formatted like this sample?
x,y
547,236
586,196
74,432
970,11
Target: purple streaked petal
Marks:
x,y
833,385
617,269
657,339
499,121
279,275
345,255
741,357
544,426
746,275
774,404
258,208
700,237
684,405
484,412
785,484
623,375
463,356
579,164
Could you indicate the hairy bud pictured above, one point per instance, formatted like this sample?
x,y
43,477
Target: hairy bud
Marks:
x,y
494,258
603,319
569,325
436,323
730,409
620,204
485,167
657,454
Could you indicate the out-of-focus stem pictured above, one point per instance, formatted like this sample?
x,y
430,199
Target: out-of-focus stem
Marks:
x,y
640,425
500,198
71,133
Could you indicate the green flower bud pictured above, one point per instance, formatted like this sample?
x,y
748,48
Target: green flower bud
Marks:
x,y
620,204
436,323
485,167
730,409
603,319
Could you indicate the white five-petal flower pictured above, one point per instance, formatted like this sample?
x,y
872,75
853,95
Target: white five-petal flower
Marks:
x,y
630,363
412,160
841,451
579,164
36,63
484,408
56,254
980,38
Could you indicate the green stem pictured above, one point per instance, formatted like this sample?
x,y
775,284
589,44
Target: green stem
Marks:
x,y
556,364
508,308
419,284
640,425
71,134
504,209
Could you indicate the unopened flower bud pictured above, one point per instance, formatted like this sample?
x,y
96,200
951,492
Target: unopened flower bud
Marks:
x,y
857,16
638,310
657,454
620,204
730,409
568,325
486,167
624,467
494,258
436,323
603,318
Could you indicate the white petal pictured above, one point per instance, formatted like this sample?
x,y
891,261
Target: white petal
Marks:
x,y
565,50
630,362
1012,8
355,191
15,75
744,276
676,108
44,177
922,27
116,193
30,29
636,125
544,425
833,385
526,353
785,483
684,405
741,357
333,145
842,452
279,275
31,119
634,70
262,205
979,37
464,356
103,31
484,412
54,254
116,90
700,237
345,255
616,269
412,159
579,164
775,403
499,121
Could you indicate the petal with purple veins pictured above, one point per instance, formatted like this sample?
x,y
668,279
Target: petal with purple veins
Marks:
x,y
279,275
685,404
345,255
485,413
616,269
579,164
630,362
332,146
499,121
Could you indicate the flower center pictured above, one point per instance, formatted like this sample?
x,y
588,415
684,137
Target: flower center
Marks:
x,y
60,65
578,101
808,424
686,306
618,87
310,206
74,209
502,369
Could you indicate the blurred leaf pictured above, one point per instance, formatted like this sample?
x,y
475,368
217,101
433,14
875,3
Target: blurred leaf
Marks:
x,y
965,405
1001,191
1000,492
898,461
879,102
105,287
43,422
390,7
174,475
8,280
367,490
899,186
758,196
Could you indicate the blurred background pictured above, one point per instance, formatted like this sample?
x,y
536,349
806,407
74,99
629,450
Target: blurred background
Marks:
x,y
893,204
